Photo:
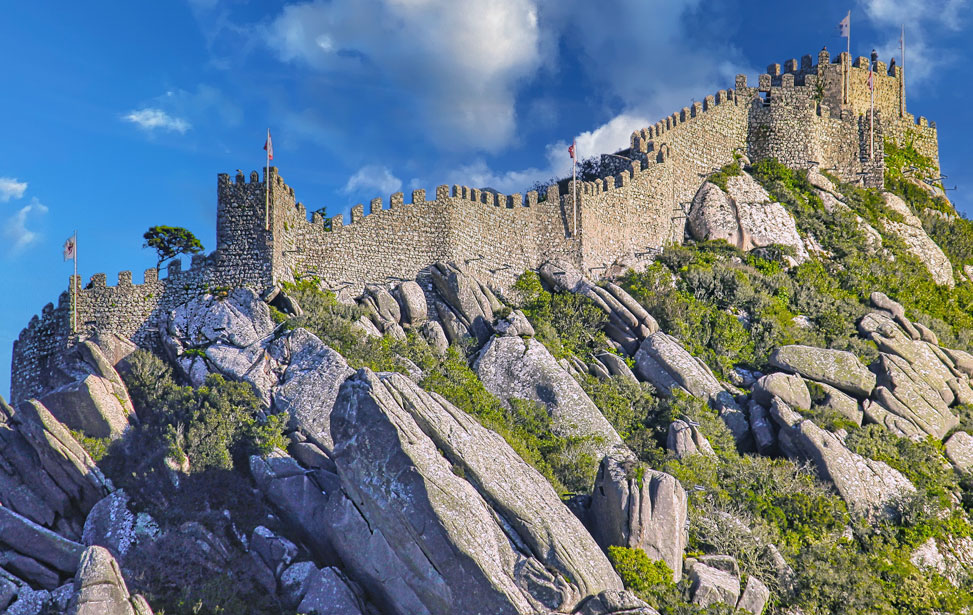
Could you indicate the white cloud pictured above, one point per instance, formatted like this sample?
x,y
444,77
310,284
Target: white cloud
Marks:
x,y
151,118
922,19
605,139
15,229
10,188
373,179
461,58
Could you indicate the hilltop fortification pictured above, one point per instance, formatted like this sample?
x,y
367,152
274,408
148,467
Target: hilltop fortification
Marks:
x,y
804,114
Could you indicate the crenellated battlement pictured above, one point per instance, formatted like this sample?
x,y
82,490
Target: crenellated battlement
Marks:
x,y
808,112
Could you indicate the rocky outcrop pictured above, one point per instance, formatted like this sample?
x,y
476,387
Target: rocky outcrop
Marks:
x,y
628,322
513,367
959,450
754,597
45,475
639,508
112,524
866,485
472,301
905,393
917,242
684,439
841,403
35,553
432,513
101,590
328,592
309,384
743,216
662,361
790,388
838,368
615,602
217,335
714,580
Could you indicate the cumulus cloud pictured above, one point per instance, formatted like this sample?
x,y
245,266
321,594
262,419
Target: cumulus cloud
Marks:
x,y
373,179
15,229
10,188
462,59
151,118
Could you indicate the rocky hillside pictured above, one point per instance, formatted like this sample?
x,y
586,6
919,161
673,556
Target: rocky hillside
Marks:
x,y
774,417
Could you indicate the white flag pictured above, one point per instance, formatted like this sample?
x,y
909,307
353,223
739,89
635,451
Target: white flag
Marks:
x,y
844,26
71,248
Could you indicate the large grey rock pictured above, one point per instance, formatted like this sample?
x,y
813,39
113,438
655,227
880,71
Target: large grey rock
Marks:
x,y
100,588
959,450
754,597
45,475
94,398
639,508
764,434
617,366
615,602
875,412
301,497
790,388
866,485
328,593
112,524
963,361
228,332
294,582
472,301
434,334
48,549
309,385
412,300
842,403
663,361
514,325
387,307
744,216
838,368
271,551
917,242
928,361
29,602
684,439
904,392
421,538
711,585
512,367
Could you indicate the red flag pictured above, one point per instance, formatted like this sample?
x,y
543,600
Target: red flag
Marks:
x,y
571,151
71,248
269,147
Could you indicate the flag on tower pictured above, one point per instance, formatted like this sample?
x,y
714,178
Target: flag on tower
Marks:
x,y
571,150
844,26
269,147
71,248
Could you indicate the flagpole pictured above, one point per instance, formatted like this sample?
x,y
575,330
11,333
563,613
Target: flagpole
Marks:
x,y
267,186
574,184
871,114
74,307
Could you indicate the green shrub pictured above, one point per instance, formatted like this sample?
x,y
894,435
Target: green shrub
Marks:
x,y
650,579
566,323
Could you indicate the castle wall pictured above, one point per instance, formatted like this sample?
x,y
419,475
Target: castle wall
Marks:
x,y
803,114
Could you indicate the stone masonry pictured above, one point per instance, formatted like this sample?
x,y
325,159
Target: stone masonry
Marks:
x,y
804,115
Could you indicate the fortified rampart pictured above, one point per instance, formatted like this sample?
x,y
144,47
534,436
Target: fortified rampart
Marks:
x,y
806,114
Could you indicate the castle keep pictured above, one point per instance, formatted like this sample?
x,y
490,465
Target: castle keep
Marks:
x,y
804,114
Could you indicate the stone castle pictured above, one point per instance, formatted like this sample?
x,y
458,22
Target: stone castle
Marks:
x,y
804,114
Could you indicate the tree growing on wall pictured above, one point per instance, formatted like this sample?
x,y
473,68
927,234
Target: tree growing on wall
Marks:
x,y
171,241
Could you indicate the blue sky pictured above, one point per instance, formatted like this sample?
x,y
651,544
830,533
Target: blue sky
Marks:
x,y
119,115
